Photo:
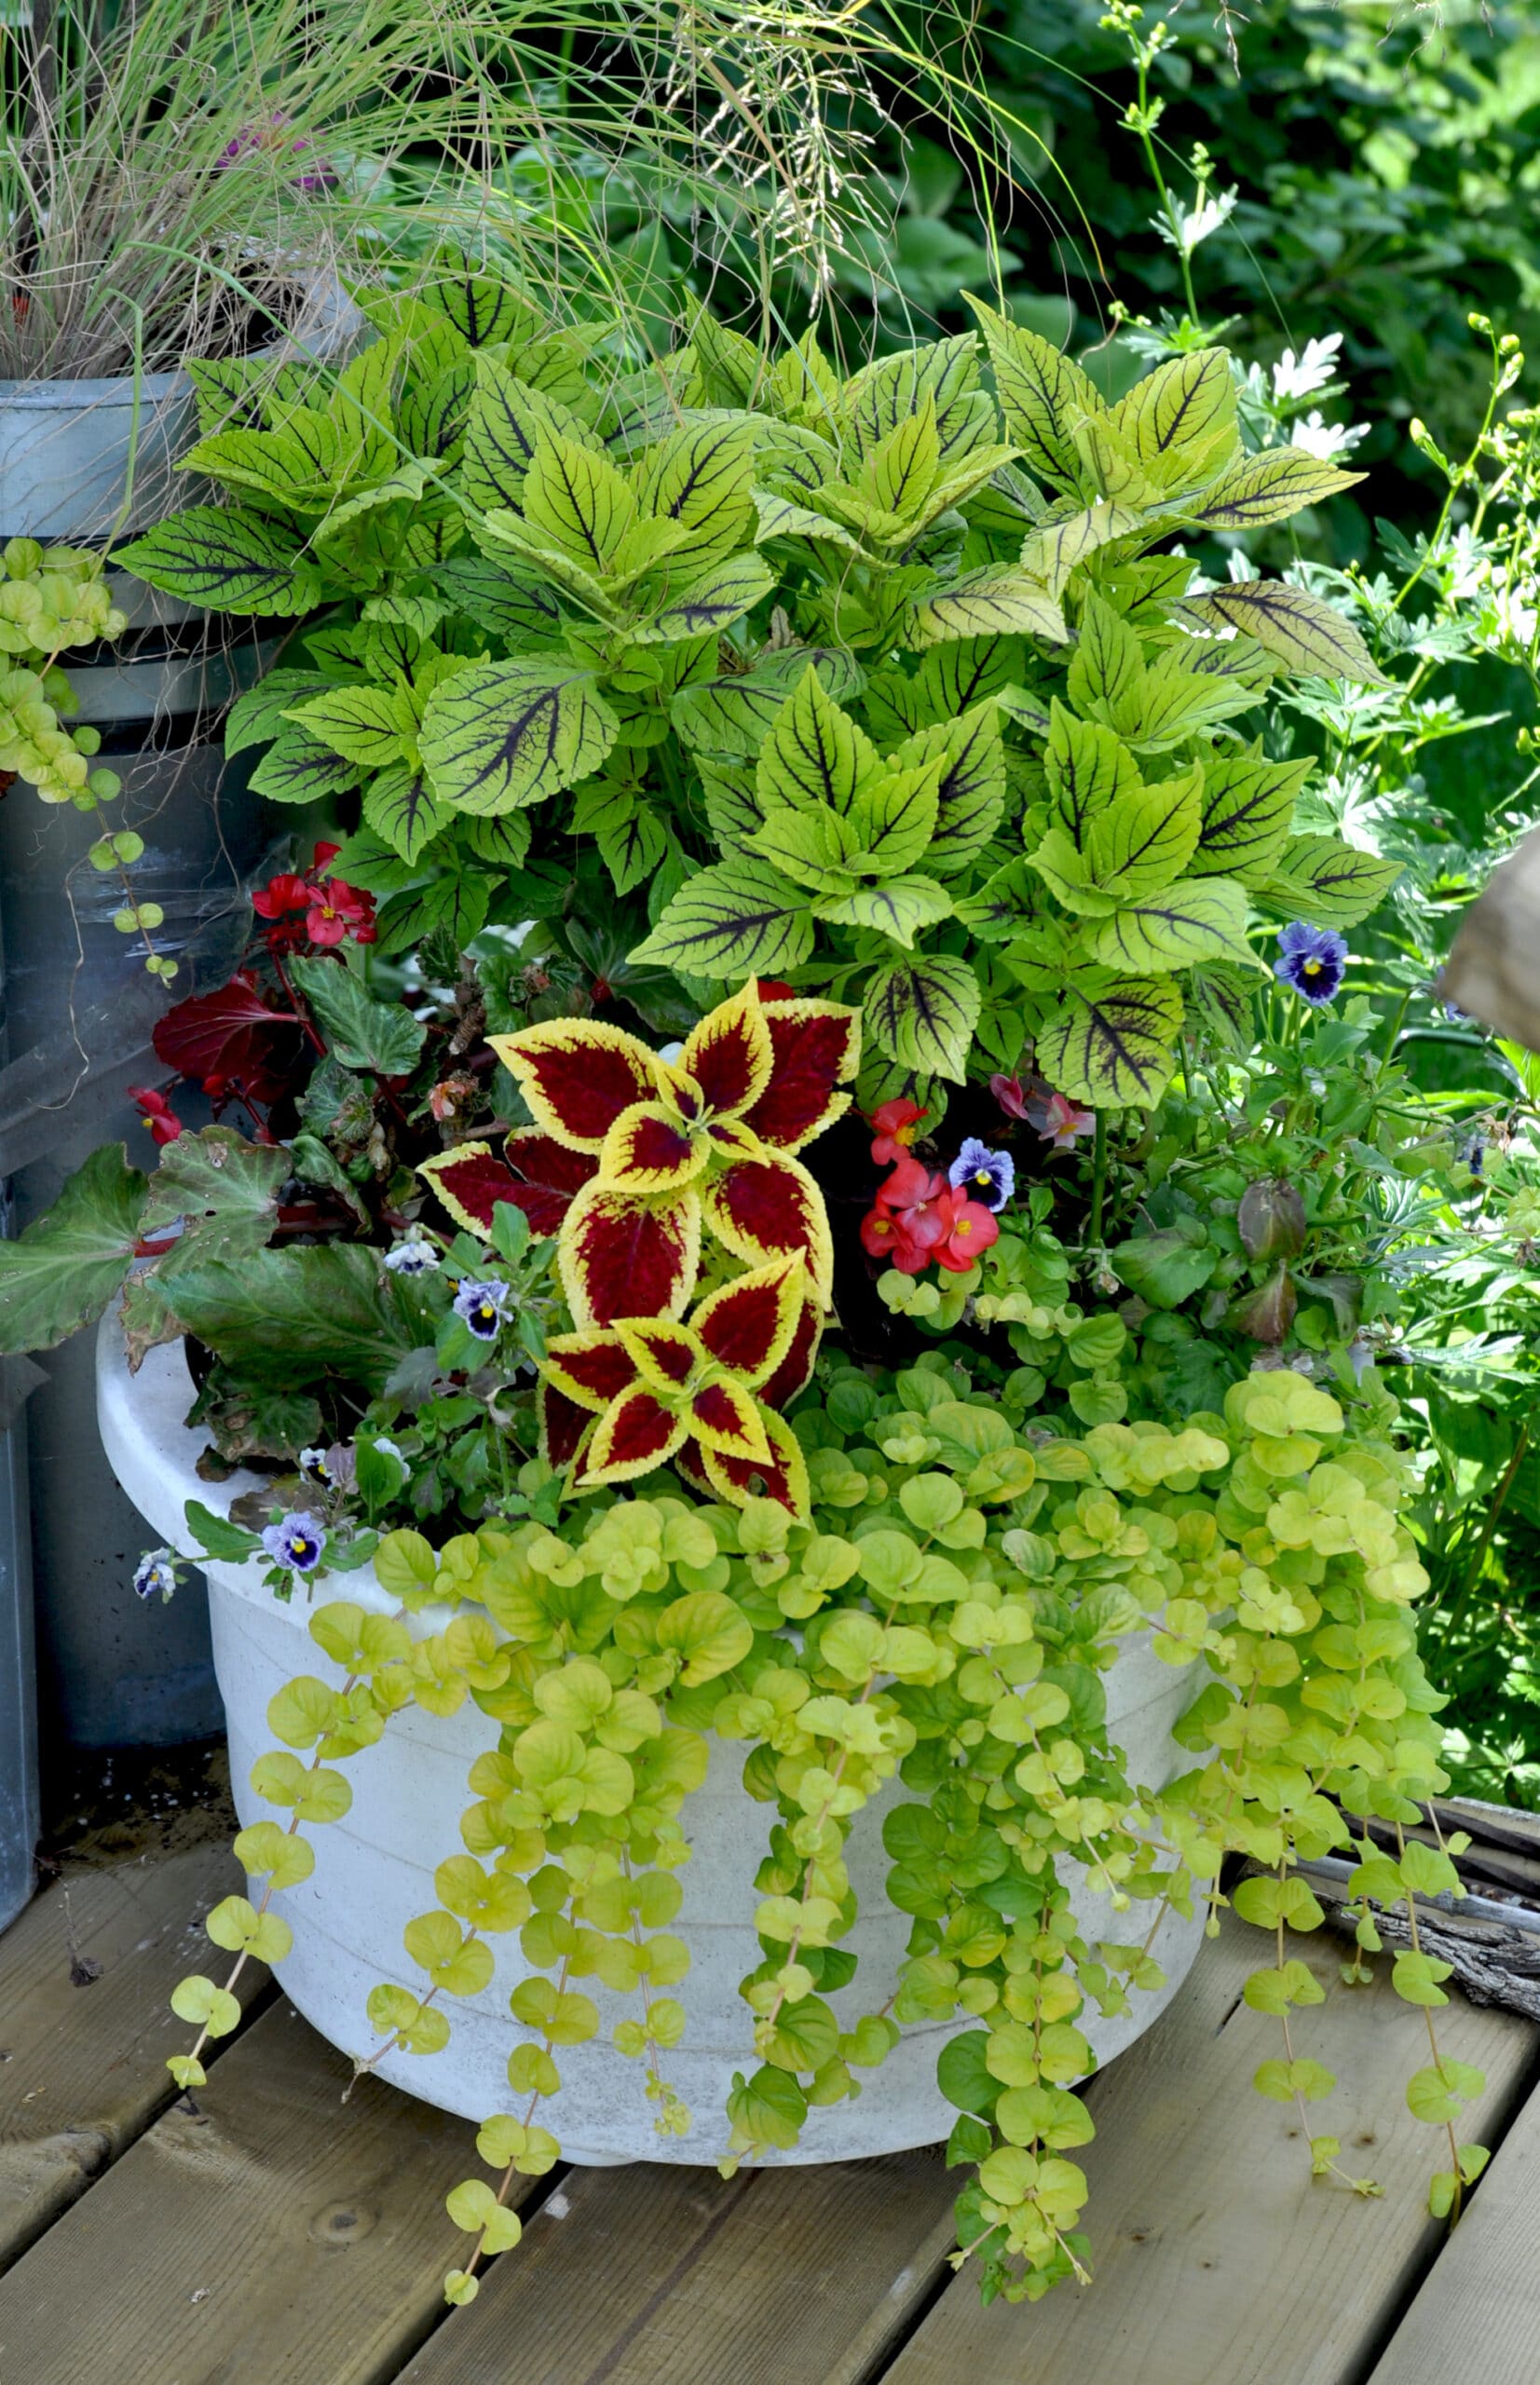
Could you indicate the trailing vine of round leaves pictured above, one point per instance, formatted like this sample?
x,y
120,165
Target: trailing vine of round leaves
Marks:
x,y
958,1591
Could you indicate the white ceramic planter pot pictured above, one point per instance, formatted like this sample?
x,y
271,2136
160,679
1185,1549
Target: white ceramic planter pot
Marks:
x,y
374,1869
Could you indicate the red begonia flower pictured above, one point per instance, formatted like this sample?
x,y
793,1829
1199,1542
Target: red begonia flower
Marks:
x,y
896,1121
160,1118
968,1229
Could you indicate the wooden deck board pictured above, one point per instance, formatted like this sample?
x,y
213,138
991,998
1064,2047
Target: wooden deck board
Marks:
x,y
83,2066
1220,2261
657,2276
1485,2287
275,2237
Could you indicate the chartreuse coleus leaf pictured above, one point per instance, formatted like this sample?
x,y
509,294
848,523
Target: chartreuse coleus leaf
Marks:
x,y
1306,632
814,755
298,769
1178,423
815,846
734,716
1330,883
887,392
741,919
483,307
1198,919
1088,768
1139,844
1247,809
834,812
993,601
970,791
922,1013
1152,706
1052,552
898,908
60,1274
630,833
507,733
1044,397
454,905
704,605
1265,488
579,500
371,726
226,560
259,715
1113,1048
951,680
505,422
401,807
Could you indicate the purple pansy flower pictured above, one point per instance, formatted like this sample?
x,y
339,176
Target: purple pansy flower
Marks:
x,y
155,1576
297,1542
1311,960
484,1307
983,1175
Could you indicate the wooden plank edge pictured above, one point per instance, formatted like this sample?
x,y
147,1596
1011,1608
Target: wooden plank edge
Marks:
x,y
1374,2368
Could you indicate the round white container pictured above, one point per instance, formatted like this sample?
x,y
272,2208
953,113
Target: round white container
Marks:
x,y
374,1869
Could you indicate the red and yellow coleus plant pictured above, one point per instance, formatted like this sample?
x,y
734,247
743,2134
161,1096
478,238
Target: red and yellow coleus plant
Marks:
x,y
631,1159
618,1400
707,1141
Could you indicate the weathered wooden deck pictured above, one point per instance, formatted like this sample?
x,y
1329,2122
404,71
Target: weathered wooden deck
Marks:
x,y
279,2235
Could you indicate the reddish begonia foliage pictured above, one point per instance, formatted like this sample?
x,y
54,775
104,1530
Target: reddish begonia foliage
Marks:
x,y
231,1042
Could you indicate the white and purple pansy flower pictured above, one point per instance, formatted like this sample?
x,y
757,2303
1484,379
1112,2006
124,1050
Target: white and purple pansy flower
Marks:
x,y
155,1576
296,1542
414,1257
1311,960
484,1308
986,1176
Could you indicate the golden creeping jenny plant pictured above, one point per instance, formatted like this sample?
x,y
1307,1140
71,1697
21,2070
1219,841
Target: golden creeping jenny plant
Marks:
x,y
944,1615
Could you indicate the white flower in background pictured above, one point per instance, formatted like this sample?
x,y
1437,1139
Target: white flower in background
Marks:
x,y
1326,439
1304,376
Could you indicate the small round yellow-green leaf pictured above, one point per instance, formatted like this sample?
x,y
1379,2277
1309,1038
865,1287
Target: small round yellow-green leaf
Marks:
x,y
302,1712
272,1941
232,1923
406,1567
267,1851
325,1796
